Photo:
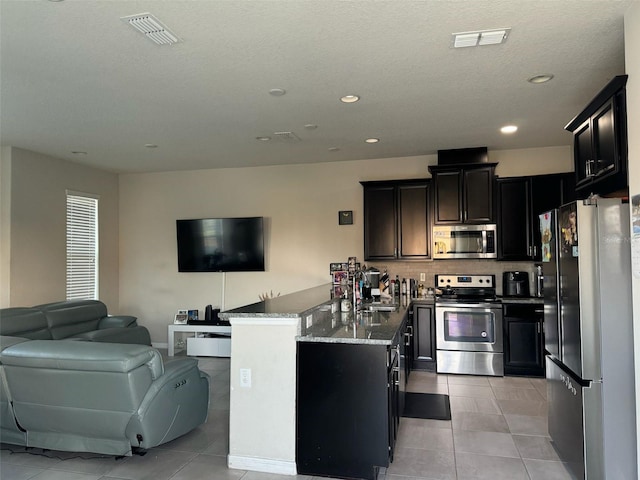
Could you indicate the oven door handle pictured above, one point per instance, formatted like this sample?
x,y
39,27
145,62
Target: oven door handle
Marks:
x,y
458,307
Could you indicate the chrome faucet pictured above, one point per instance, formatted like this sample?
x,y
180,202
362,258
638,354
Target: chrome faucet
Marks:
x,y
357,275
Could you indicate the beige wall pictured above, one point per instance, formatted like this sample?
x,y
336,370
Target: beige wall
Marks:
x,y
300,204
5,225
632,54
533,161
33,234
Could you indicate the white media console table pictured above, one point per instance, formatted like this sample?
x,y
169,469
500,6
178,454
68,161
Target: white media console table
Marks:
x,y
199,344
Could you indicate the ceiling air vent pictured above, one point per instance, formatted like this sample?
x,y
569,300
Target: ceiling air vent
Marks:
x,y
152,28
287,137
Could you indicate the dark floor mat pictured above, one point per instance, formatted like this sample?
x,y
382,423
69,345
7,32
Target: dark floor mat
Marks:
x,y
434,406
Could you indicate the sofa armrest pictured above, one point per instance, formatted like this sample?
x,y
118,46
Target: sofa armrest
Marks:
x,y
131,335
113,321
7,341
175,403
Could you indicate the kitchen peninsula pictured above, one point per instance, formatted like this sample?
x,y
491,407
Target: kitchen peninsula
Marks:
x,y
300,372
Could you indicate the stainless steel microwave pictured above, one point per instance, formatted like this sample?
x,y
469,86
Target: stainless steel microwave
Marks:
x,y
464,241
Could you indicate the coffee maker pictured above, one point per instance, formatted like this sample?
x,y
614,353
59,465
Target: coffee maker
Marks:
x,y
372,281
515,284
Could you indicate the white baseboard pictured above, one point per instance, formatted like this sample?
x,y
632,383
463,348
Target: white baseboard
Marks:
x,y
266,465
159,345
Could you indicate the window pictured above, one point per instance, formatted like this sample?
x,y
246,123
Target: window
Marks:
x,y
82,246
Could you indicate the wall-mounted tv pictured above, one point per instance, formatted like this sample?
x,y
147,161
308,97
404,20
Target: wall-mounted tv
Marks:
x,y
221,245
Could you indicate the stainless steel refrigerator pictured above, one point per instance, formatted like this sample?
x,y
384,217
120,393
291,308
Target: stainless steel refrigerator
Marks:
x,y
589,337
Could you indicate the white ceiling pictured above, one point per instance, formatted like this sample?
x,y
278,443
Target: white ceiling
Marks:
x,y
76,77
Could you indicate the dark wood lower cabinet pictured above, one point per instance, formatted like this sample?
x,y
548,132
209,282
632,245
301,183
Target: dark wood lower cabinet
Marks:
x,y
523,340
348,408
424,337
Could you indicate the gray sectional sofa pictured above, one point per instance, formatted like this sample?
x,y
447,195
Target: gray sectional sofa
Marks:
x,y
72,319
99,395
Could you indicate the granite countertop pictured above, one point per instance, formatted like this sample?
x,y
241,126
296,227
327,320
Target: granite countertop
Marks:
x,y
362,327
320,324
291,305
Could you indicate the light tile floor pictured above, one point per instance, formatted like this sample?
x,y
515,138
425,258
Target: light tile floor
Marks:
x,y
498,431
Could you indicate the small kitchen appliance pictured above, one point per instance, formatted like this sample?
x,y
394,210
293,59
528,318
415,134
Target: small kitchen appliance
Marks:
x,y
372,280
469,338
515,284
464,241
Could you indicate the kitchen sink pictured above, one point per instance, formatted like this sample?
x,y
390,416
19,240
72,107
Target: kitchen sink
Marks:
x,y
380,307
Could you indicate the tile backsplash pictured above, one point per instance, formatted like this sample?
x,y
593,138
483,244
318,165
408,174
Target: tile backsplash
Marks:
x,y
461,267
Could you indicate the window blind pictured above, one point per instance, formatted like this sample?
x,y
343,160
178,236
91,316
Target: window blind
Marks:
x,y
82,247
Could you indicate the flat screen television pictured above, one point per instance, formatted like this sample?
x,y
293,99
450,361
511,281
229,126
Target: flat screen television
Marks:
x,y
221,245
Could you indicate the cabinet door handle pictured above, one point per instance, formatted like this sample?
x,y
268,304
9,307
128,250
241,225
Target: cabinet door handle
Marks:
x,y
538,327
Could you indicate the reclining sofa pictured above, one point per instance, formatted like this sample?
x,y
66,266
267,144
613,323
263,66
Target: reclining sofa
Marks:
x,y
73,378
96,397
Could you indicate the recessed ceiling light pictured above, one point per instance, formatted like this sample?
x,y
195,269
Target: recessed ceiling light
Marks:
x,y
372,140
277,92
263,139
78,152
349,99
540,78
479,38
311,126
509,129
333,149
150,145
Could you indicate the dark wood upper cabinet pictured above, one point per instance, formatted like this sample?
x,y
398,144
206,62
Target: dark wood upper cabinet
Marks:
x,y
478,195
448,196
520,201
514,219
380,240
397,219
413,227
463,194
600,142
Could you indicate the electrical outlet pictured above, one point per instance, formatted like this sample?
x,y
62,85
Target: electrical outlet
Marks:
x,y
423,277
245,377
309,320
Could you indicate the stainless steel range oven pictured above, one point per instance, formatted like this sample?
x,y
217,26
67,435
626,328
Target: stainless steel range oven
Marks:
x,y
469,336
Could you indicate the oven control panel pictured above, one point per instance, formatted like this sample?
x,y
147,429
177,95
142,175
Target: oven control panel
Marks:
x,y
457,281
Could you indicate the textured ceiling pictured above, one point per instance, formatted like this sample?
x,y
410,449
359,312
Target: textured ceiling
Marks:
x,y
76,77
